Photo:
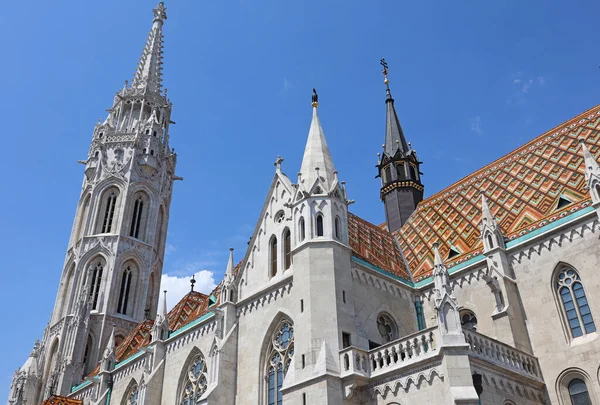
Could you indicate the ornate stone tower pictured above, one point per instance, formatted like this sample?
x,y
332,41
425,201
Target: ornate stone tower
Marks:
x,y
401,187
111,276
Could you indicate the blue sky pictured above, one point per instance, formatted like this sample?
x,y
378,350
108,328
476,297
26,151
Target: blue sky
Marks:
x,y
472,81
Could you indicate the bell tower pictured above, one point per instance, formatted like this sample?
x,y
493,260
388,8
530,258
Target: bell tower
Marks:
x,y
398,168
111,276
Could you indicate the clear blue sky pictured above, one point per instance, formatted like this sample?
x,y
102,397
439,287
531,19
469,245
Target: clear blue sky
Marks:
x,y
472,81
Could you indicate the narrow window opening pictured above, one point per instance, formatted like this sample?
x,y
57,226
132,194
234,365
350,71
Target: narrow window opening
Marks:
x,y
152,152
287,249
319,225
388,174
401,171
136,218
95,287
304,398
154,133
346,342
490,241
302,231
303,361
124,293
597,191
301,306
109,212
413,172
273,256
101,134
344,296
147,132
97,153
338,233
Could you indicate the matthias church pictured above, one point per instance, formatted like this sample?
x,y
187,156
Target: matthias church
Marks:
x,y
484,293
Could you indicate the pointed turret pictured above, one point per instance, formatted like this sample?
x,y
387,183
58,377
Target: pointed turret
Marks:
x,y
228,289
401,187
445,303
148,76
440,275
592,172
317,165
491,234
160,329
109,358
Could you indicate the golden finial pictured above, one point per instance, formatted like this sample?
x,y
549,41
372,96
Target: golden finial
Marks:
x,y
383,63
315,98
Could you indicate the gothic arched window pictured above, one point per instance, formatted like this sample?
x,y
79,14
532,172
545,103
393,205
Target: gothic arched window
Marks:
x,y
196,381
388,174
578,393
468,320
279,357
86,355
133,395
387,327
125,290
400,169
96,280
302,229
338,228
319,225
574,302
287,249
138,217
107,210
273,254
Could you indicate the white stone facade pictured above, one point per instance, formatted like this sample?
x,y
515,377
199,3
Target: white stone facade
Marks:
x,y
301,318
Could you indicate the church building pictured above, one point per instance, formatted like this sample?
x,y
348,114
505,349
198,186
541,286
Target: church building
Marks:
x,y
483,293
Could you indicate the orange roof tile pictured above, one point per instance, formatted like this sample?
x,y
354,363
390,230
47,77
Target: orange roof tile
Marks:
x,y
376,246
58,400
522,189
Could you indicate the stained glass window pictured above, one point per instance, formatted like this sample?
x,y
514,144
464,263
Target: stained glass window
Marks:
x,y
279,359
133,395
579,393
196,382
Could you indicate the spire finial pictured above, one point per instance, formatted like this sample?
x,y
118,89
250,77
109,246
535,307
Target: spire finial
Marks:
x,y
192,282
315,98
160,12
383,63
278,163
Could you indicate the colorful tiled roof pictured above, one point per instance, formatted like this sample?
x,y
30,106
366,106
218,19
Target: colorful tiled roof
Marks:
x,y
58,400
376,246
523,190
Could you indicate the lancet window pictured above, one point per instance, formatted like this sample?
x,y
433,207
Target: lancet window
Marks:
x,y
125,290
97,270
273,254
319,225
137,217
195,381
133,395
574,303
301,226
287,249
107,209
279,357
338,228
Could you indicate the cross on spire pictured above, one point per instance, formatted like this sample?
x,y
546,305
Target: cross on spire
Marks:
x,y
278,162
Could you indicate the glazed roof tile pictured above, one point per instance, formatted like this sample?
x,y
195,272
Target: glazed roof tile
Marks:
x,y
376,246
58,400
522,188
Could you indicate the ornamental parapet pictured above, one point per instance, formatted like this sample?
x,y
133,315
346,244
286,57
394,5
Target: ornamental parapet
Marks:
x,y
500,354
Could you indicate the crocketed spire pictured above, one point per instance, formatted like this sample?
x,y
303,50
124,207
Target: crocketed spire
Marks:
x,y
317,162
148,75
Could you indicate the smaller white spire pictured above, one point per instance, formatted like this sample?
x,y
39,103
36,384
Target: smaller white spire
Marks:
x,y
160,329
486,214
230,265
440,275
316,162
109,358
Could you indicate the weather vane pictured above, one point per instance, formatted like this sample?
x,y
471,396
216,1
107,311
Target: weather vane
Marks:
x,y
383,63
192,282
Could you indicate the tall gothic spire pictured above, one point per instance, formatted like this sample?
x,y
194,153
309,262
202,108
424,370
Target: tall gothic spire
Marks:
x,y
148,76
317,162
394,136
401,187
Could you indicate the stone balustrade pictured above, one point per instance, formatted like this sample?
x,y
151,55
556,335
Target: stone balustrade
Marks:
x,y
407,350
496,352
